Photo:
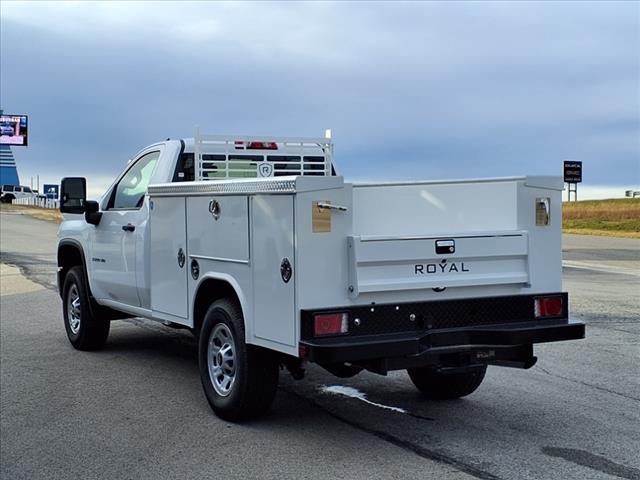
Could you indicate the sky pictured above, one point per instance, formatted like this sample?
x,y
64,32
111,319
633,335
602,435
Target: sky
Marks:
x,y
417,90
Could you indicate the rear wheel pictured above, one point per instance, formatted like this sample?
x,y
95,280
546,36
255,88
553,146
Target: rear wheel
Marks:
x,y
440,386
84,330
239,380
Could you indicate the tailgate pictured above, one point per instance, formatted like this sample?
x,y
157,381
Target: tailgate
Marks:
x,y
384,263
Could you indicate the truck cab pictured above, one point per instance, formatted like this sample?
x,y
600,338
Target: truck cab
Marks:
x,y
271,259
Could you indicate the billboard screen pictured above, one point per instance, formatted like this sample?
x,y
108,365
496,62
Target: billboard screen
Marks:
x,y
14,130
572,172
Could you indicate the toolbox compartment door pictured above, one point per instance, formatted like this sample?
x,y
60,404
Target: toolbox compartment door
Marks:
x,y
168,258
379,263
223,237
274,270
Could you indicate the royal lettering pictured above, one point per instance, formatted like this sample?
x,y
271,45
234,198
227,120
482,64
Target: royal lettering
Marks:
x,y
431,268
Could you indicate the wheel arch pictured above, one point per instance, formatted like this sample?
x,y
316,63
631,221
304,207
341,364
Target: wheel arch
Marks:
x,y
70,254
213,287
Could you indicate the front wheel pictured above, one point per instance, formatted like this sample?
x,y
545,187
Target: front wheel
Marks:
x,y
84,330
442,386
239,380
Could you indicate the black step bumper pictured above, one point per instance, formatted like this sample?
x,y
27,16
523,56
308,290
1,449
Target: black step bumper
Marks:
x,y
440,342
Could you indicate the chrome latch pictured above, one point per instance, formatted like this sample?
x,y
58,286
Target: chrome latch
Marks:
x,y
214,209
445,246
329,206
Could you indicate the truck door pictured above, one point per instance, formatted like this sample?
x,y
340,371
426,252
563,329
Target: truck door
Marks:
x,y
123,225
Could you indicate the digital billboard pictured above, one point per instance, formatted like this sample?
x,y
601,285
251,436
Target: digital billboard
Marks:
x,y
14,130
572,172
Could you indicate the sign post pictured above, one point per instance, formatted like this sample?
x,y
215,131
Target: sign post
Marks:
x,y
572,176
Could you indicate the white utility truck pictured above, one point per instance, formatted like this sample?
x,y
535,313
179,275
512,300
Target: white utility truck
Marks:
x,y
271,259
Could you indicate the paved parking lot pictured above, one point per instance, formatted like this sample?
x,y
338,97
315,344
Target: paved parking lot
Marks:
x,y
136,410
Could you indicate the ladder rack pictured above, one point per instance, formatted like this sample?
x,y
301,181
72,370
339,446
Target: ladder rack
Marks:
x,y
249,156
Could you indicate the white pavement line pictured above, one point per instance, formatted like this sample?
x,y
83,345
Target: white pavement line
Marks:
x,y
355,393
600,268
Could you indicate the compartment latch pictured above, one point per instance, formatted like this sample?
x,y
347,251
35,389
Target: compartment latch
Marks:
x,y
445,246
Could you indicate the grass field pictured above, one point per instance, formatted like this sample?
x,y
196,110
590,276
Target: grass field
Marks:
x,y
36,212
614,217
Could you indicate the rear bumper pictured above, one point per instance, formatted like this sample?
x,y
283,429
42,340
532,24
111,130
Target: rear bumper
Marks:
x,y
434,343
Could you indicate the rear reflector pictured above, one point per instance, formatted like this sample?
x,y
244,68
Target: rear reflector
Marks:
x,y
330,324
302,352
547,307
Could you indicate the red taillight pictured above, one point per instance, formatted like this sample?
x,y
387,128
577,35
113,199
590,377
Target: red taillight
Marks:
x,y
330,324
262,146
548,307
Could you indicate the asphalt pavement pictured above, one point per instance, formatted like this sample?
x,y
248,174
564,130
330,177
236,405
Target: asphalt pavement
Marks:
x,y
136,409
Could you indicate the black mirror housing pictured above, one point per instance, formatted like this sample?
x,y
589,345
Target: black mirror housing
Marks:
x,y
92,213
73,194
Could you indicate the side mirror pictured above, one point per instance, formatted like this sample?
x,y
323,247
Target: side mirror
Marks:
x,y
91,212
73,195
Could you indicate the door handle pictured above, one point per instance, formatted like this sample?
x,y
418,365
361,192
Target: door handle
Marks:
x,y
128,227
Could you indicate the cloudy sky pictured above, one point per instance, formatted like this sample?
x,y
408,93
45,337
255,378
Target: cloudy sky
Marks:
x,y
410,90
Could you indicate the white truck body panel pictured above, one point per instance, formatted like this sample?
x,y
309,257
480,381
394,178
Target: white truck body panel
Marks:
x,y
387,264
273,239
113,256
499,250
168,275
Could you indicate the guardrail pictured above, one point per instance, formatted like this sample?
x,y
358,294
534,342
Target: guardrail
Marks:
x,y
49,203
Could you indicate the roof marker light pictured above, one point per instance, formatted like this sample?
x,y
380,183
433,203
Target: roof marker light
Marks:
x,y
262,146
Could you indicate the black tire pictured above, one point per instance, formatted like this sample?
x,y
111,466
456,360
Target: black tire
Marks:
x,y
84,330
439,386
242,384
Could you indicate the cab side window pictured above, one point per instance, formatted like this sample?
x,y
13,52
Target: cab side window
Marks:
x,y
185,168
130,191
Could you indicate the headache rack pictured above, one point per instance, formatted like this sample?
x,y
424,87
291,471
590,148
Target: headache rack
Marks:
x,y
248,156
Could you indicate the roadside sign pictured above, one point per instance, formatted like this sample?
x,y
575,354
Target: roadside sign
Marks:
x,y
572,171
51,191
13,130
